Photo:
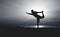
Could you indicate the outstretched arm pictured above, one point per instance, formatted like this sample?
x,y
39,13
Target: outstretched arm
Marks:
x,y
29,13
40,12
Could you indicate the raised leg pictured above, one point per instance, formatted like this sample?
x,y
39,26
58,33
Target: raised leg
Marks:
x,y
42,15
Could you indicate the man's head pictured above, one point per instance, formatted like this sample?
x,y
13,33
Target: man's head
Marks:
x,y
31,10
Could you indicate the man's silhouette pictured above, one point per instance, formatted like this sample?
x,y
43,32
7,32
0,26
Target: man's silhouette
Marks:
x,y
34,13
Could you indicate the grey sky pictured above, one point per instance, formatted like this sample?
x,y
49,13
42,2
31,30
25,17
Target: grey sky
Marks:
x,y
16,10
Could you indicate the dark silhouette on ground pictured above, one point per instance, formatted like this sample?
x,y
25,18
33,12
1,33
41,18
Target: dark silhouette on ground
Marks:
x,y
34,13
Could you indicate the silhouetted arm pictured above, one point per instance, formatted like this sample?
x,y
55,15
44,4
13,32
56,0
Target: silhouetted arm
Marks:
x,y
39,12
29,13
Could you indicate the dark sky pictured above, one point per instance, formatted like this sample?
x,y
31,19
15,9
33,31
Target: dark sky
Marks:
x,y
13,12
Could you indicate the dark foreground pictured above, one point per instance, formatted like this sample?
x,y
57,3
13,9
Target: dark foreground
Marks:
x,y
22,29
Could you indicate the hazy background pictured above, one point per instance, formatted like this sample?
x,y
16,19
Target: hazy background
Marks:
x,y
13,12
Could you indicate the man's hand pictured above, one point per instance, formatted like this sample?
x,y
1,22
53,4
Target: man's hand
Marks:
x,y
42,11
29,13
26,12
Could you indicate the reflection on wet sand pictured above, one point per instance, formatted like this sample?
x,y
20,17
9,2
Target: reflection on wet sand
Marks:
x,y
36,26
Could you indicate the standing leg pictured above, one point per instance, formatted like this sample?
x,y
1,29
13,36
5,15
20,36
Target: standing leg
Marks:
x,y
37,21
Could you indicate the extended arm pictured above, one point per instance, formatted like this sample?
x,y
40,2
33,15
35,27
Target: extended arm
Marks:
x,y
40,12
29,13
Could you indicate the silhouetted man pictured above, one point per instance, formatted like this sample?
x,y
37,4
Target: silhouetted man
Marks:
x,y
34,13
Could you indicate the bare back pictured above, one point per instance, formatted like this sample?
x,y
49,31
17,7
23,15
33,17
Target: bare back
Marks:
x,y
36,15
